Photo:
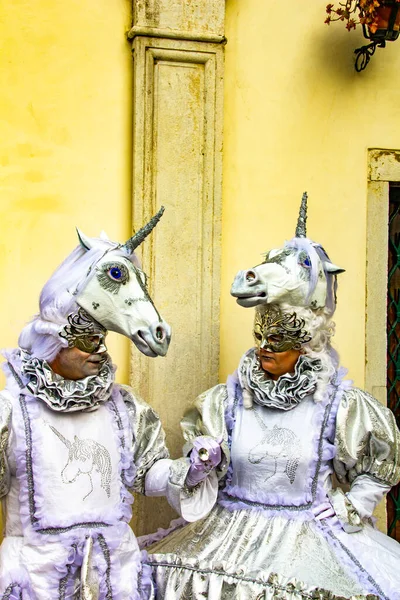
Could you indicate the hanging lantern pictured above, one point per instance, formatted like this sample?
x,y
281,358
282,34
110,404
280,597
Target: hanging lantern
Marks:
x,y
385,28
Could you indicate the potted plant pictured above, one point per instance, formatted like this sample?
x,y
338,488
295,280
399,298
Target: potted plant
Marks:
x,y
380,20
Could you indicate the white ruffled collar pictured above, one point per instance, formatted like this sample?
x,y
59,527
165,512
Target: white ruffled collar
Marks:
x,y
288,390
62,395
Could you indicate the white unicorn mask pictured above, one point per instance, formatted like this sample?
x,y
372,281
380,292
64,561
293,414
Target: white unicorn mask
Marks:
x,y
300,273
100,286
116,295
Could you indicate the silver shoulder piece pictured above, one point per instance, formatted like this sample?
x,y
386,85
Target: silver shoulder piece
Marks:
x,y
5,429
148,437
367,439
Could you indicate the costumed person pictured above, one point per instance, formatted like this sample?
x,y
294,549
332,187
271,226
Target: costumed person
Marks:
x,y
289,421
74,444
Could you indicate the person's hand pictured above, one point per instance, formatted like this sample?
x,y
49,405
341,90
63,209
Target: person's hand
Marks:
x,y
205,455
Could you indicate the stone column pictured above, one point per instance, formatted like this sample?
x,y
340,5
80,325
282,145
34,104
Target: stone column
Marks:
x,y
178,115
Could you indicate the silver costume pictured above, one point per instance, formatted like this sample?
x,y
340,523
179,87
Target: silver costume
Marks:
x,y
263,538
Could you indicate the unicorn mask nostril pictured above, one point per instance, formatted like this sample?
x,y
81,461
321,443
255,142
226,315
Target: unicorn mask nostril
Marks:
x,y
160,334
153,340
250,276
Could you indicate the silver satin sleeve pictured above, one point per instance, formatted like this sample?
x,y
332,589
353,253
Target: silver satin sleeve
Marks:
x,y
367,439
5,421
367,444
148,437
207,417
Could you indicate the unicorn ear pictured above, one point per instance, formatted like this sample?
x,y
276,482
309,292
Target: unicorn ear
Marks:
x,y
84,240
331,268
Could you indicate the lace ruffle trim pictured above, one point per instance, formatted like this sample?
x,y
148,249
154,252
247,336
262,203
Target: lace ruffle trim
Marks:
x,y
286,392
65,395
272,584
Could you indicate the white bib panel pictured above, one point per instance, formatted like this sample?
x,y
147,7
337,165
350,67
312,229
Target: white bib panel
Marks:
x,y
72,467
272,450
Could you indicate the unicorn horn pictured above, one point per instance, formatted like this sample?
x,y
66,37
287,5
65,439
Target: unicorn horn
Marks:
x,y
135,241
61,437
301,229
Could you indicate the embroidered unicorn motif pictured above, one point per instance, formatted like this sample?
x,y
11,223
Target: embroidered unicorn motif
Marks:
x,y
277,442
85,457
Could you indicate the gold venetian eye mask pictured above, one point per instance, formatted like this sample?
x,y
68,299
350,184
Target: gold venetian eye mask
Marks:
x,y
90,343
84,333
277,331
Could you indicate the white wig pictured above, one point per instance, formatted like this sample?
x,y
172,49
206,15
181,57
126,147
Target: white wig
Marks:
x,y
321,329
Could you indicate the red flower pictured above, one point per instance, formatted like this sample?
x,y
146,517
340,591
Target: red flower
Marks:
x,y
351,24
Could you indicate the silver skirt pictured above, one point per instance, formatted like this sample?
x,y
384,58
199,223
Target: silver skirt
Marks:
x,y
246,555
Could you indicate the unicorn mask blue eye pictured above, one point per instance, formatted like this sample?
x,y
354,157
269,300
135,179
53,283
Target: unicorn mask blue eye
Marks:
x,y
300,273
105,280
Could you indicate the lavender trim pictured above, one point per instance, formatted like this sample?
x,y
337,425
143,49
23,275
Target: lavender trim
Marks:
x,y
126,465
16,577
16,376
110,588
290,512
26,469
347,557
107,579
15,380
151,538
145,583
9,591
63,582
234,399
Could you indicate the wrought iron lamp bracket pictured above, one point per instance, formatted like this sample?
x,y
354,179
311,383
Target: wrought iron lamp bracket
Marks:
x,y
378,38
363,54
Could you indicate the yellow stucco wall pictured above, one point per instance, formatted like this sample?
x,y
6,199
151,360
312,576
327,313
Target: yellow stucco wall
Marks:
x,y
298,117
65,143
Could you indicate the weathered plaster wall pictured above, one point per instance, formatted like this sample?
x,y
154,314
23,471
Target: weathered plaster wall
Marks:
x,y
65,142
298,117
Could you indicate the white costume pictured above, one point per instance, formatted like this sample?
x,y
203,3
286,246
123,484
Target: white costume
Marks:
x,y
66,479
72,450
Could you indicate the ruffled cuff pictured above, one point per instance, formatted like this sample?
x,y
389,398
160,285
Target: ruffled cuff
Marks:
x,y
194,503
346,514
156,481
366,493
